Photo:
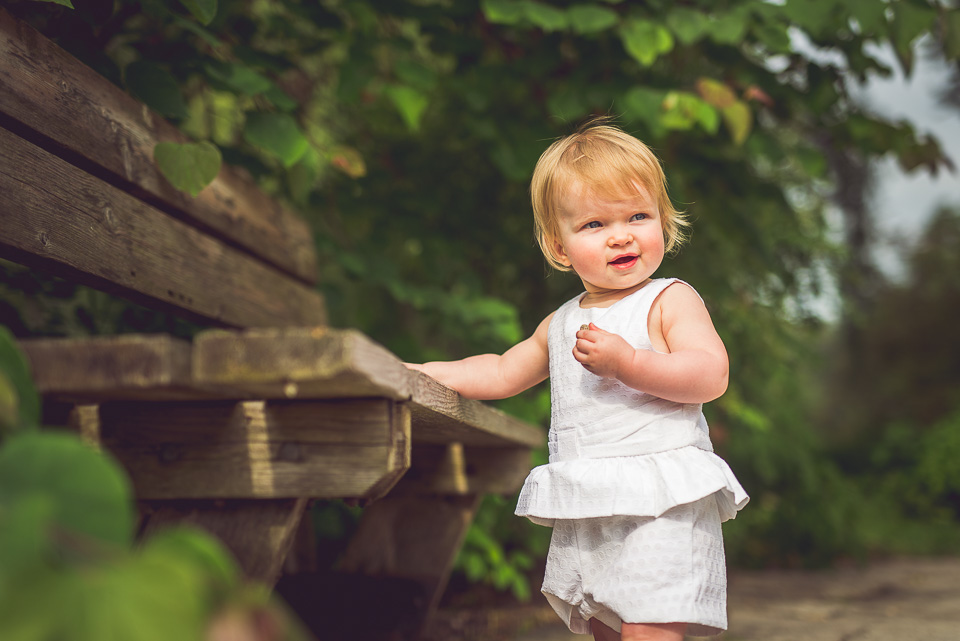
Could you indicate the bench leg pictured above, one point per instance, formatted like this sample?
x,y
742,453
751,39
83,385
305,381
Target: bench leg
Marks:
x,y
259,532
389,580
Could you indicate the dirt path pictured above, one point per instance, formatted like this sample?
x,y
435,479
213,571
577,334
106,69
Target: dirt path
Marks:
x,y
897,600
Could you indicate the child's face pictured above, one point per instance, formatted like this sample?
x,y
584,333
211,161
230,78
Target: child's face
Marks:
x,y
611,244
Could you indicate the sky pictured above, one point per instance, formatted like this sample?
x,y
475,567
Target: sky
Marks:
x,y
903,203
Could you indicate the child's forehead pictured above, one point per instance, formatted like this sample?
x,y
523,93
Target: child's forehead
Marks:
x,y
625,191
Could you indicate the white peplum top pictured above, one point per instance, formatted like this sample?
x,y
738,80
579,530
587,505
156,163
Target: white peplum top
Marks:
x,y
615,450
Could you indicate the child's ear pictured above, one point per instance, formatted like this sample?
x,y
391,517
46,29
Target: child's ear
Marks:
x,y
560,253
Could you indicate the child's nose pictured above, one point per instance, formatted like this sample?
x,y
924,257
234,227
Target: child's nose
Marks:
x,y
619,237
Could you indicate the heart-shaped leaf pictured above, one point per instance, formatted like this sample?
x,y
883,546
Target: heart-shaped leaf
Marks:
x,y
189,167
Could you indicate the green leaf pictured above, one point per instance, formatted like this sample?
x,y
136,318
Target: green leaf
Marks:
x,y
281,99
409,102
65,3
278,134
200,551
24,537
302,177
88,492
503,11
189,167
739,121
685,110
869,14
9,404
715,92
589,18
775,36
644,40
203,10
728,28
688,25
143,597
19,401
416,75
908,23
951,39
813,16
238,77
544,16
156,87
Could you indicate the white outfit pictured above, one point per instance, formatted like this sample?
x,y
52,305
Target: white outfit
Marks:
x,y
632,488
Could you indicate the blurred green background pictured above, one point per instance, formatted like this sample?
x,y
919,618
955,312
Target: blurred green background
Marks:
x,y
406,133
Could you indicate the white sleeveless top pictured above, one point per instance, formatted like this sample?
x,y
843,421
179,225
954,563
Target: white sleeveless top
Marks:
x,y
615,450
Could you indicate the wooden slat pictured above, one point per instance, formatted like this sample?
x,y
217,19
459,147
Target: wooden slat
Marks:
x,y
455,470
259,533
129,367
319,449
440,415
56,217
71,109
299,362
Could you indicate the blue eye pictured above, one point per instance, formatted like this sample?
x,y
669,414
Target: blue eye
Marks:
x,y
593,224
638,217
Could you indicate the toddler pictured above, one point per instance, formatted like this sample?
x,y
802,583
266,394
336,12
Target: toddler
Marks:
x,y
633,490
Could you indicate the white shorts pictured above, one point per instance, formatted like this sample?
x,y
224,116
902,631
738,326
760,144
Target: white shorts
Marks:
x,y
637,569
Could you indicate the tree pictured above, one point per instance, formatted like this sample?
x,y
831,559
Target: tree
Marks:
x,y
406,133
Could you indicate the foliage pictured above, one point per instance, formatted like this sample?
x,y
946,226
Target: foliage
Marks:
x,y
406,133
905,364
68,567
891,416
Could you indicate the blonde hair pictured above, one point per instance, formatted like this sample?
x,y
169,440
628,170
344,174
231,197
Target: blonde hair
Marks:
x,y
604,159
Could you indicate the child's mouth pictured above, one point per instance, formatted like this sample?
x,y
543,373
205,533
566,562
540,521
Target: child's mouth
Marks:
x,y
625,261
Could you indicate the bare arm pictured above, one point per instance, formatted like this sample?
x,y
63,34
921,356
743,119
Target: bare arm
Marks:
x,y
492,376
695,369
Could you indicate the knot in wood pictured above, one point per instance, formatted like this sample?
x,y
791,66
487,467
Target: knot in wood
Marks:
x,y
290,452
170,453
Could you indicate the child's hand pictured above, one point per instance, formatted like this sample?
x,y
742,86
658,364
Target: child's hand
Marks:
x,y
601,352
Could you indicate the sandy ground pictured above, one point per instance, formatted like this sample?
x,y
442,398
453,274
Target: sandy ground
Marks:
x,y
896,600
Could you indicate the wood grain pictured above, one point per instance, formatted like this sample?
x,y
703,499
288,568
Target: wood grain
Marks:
x,y
68,108
150,367
319,449
56,217
299,362
440,415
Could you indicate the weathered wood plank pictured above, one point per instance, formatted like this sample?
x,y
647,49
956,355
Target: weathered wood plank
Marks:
x,y
56,217
323,363
318,449
458,471
440,415
299,362
410,537
258,532
149,367
70,109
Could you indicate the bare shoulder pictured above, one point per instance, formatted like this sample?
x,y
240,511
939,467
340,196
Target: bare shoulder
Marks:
x,y
679,317
679,297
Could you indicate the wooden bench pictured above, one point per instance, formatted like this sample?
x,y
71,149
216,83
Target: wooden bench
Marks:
x,y
268,409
